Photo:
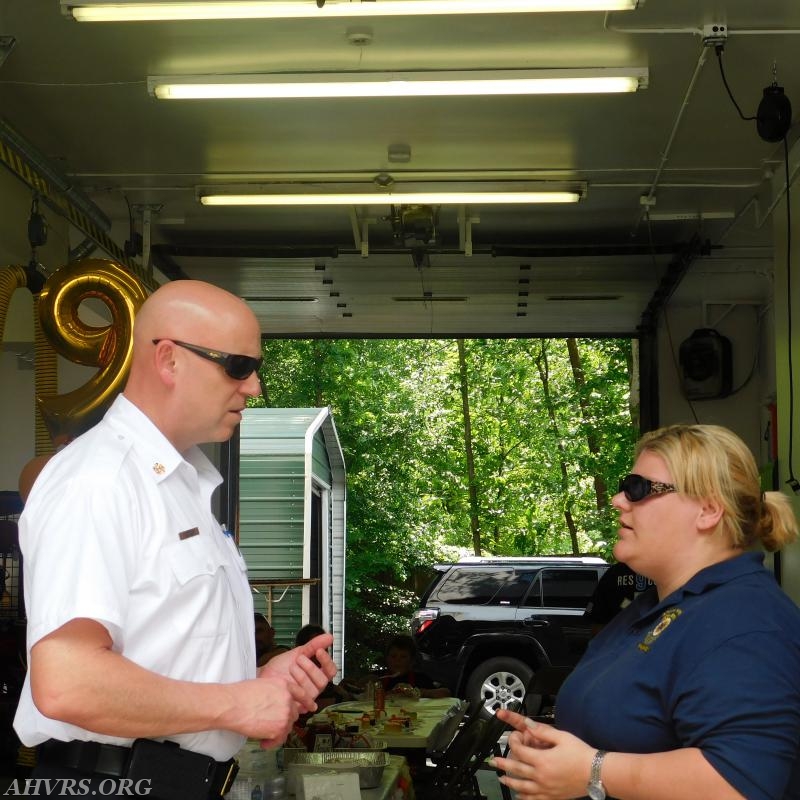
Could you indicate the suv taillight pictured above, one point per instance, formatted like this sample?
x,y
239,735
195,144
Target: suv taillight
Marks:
x,y
422,620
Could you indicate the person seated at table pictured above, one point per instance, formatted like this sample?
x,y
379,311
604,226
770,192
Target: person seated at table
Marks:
x,y
402,678
332,693
265,640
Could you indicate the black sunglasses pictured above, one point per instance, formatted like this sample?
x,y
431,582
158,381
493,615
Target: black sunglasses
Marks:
x,y
236,366
636,488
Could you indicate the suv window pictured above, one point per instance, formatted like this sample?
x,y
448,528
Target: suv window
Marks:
x,y
514,589
473,587
562,588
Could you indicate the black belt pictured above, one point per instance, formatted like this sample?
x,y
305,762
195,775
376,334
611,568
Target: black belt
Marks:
x,y
113,760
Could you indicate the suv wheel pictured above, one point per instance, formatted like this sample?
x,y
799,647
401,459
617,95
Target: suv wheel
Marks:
x,y
497,682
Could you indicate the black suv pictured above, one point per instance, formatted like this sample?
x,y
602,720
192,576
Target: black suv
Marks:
x,y
485,625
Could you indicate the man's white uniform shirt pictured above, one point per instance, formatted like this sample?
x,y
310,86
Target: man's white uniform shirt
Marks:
x,y
119,529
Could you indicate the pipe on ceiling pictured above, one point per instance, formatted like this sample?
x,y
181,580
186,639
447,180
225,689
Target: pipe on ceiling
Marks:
x,y
647,199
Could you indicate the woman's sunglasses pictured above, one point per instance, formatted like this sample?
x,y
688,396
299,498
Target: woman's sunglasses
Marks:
x,y
236,366
636,488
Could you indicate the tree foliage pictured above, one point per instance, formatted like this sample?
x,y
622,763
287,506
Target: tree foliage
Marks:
x,y
549,428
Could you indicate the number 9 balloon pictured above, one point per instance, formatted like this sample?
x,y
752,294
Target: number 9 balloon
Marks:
x,y
108,347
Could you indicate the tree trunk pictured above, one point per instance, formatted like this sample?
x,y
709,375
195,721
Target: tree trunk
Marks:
x,y
544,375
474,522
600,488
319,364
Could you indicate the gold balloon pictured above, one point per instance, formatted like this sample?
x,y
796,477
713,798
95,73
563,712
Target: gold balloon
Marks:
x,y
108,347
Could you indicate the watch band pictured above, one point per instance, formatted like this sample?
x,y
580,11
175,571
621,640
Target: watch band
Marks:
x,y
597,765
595,788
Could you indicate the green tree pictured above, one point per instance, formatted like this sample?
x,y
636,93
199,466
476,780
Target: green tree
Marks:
x,y
500,446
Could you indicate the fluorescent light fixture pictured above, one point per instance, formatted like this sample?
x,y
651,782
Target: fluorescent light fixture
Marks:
x,y
390,198
135,11
398,84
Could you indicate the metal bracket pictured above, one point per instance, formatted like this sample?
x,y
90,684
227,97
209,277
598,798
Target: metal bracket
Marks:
x,y
714,34
147,239
465,223
6,46
360,232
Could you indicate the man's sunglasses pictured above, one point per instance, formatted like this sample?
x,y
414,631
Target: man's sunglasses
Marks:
x,y
636,488
236,366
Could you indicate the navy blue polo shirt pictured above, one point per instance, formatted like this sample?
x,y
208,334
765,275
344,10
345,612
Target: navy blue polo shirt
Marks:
x,y
716,665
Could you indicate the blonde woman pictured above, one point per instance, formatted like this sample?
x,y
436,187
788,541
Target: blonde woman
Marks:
x,y
693,691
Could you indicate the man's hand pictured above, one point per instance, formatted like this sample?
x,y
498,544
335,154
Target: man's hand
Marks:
x,y
271,703
308,666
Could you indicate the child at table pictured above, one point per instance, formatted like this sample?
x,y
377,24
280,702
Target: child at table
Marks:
x,y
403,679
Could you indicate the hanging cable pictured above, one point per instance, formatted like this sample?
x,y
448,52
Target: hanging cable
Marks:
x,y
719,49
773,121
792,482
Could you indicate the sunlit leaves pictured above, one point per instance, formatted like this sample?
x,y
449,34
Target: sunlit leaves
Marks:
x,y
397,407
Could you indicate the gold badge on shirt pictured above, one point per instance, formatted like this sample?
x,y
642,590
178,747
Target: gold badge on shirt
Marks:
x,y
159,469
666,620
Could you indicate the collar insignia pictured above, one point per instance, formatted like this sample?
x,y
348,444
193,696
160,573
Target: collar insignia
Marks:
x,y
159,469
666,620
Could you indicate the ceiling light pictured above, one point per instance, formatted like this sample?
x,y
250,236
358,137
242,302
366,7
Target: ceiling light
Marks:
x,y
135,11
390,198
398,84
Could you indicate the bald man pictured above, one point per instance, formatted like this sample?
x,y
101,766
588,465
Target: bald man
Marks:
x,y
140,616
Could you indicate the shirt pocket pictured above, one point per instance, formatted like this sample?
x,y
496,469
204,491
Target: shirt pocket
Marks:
x,y
193,557
201,601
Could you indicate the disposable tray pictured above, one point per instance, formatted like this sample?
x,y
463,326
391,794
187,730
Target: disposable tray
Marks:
x,y
369,764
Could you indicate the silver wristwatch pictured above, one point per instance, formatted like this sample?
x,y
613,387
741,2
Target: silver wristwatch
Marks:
x,y
595,788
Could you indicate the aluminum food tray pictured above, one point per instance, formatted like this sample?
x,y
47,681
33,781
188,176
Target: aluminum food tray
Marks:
x,y
369,764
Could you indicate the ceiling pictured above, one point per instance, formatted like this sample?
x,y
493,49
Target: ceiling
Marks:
x,y
676,187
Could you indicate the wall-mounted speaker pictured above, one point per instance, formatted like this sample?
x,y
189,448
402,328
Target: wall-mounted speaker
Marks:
x,y
706,362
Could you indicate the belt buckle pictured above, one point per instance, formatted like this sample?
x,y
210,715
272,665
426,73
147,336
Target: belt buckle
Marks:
x,y
233,770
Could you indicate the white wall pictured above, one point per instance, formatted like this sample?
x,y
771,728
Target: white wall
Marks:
x,y
747,325
791,556
745,300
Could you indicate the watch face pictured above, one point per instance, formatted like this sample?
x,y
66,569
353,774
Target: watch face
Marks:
x,y
596,791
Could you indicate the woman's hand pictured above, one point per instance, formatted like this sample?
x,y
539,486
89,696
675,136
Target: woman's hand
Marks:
x,y
544,763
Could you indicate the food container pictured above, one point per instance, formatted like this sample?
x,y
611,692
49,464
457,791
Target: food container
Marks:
x,y
259,775
287,755
369,764
359,741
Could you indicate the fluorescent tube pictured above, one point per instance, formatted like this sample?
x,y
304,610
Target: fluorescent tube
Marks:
x,y
389,84
134,11
390,198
